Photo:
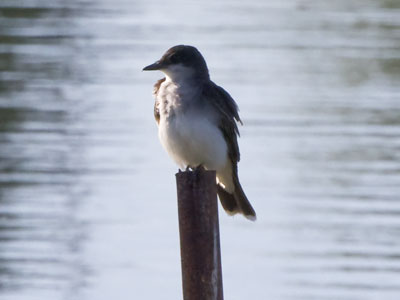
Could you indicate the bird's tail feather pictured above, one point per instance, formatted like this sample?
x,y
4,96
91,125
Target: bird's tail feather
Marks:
x,y
243,203
228,201
236,202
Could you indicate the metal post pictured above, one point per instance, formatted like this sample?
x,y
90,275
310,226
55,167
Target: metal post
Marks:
x,y
199,235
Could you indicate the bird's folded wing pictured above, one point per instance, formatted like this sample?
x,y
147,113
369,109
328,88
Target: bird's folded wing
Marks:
x,y
157,103
228,111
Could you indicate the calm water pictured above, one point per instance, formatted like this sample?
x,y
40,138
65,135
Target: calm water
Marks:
x,y
87,195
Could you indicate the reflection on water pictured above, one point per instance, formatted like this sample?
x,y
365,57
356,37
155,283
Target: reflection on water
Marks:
x,y
87,197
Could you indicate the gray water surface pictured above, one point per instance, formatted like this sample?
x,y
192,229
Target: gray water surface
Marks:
x,y
87,194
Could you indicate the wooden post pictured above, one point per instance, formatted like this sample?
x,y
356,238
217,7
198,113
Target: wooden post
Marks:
x,y
199,235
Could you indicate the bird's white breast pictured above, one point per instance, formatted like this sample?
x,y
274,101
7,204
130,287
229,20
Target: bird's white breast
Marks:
x,y
185,130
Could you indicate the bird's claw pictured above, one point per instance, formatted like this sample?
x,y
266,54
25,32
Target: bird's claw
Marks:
x,y
198,169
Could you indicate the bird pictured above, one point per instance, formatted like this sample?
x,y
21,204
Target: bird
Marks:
x,y
197,123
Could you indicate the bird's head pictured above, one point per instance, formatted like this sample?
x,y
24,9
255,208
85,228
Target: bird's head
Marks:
x,y
181,63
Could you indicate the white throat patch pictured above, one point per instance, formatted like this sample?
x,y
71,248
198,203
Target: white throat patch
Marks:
x,y
178,73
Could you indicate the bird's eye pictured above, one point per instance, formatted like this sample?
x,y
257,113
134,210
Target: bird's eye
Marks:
x,y
174,58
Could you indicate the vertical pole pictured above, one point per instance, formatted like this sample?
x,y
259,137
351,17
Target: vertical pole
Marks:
x,y
199,235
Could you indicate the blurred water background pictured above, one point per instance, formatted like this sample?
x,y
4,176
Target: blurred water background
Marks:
x,y
87,194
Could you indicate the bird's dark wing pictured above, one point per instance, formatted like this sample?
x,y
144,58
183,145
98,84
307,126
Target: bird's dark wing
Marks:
x,y
228,111
157,103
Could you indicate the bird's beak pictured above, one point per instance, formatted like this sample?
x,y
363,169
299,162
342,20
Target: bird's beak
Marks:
x,y
156,66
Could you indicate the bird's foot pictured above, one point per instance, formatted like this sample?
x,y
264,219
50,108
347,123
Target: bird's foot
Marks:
x,y
198,169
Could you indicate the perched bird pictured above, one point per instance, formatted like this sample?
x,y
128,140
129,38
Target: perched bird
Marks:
x,y
197,123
